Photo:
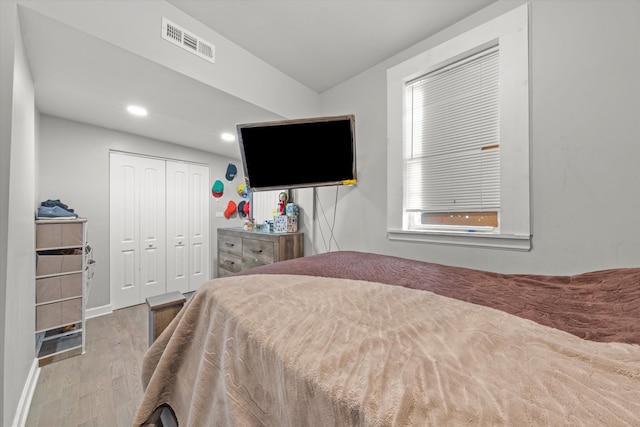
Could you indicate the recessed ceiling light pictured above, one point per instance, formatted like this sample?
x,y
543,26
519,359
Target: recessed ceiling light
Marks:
x,y
226,136
136,110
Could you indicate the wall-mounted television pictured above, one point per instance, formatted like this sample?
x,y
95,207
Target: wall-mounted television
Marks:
x,y
311,152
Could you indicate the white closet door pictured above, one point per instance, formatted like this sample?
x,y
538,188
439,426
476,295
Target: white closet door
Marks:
x,y
152,229
177,227
188,264
137,229
199,261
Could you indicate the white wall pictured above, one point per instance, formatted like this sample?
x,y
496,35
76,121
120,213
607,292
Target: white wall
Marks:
x,y
74,167
7,47
18,195
585,148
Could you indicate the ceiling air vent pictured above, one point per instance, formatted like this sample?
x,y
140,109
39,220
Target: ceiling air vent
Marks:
x,y
188,41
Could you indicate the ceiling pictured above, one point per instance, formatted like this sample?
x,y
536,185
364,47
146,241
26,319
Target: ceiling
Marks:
x,y
323,43
319,43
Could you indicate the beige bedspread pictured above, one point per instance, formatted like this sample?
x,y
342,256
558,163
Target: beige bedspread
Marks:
x,y
288,350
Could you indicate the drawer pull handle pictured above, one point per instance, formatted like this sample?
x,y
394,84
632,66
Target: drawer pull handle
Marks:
x,y
229,262
258,251
229,244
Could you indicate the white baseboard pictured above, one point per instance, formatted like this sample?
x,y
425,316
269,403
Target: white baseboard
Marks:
x,y
98,311
22,412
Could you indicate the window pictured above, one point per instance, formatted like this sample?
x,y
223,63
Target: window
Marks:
x,y
452,153
458,120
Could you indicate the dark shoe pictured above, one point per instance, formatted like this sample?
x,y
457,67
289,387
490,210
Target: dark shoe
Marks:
x,y
51,203
54,212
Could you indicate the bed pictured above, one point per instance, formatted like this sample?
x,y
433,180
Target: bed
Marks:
x,y
360,339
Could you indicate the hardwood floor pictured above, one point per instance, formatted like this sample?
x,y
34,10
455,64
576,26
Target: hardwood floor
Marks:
x,y
101,387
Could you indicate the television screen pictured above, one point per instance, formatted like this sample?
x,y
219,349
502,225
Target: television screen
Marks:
x,y
298,153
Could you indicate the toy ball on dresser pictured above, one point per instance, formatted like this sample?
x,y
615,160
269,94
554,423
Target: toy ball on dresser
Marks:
x,y
291,209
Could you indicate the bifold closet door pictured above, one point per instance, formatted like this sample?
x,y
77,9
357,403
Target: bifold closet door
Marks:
x,y
137,229
199,194
187,226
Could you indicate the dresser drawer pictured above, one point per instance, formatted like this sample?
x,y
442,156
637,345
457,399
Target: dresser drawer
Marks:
x,y
257,252
230,244
230,262
58,287
58,314
222,272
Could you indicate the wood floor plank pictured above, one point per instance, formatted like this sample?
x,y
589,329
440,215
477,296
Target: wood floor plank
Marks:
x,y
91,423
116,368
101,387
120,390
69,405
87,407
49,411
69,401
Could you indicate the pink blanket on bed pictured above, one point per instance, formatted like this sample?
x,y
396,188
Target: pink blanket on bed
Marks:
x,y
599,306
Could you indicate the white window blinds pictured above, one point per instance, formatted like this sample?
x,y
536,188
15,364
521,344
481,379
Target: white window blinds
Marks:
x,y
452,157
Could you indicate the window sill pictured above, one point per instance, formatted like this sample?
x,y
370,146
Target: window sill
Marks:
x,y
474,239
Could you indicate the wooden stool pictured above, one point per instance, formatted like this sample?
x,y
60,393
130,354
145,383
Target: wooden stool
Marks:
x,y
162,310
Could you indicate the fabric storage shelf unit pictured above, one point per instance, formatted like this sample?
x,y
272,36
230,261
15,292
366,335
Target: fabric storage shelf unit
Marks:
x,y
58,314
58,287
51,264
58,235
61,283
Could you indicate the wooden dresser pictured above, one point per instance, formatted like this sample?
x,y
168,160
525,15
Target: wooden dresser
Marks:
x,y
239,250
